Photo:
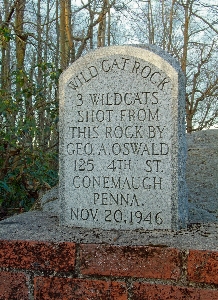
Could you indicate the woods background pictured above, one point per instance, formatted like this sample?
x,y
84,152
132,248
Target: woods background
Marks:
x,y
39,39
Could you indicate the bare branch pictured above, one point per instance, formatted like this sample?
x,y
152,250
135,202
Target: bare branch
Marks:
x,y
206,22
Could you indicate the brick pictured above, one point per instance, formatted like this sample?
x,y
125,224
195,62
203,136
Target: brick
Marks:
x,y
72,289
37,255
13,286
143,291
141,261
202,266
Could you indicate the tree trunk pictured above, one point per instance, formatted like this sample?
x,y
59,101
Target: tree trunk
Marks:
x,y
169,45
187,11
63,61
57,27
150,24
67,47
21,37
102,25
69,41
189,119
91,20
109,25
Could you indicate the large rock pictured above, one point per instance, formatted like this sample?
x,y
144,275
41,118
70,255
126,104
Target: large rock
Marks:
x,y
122,140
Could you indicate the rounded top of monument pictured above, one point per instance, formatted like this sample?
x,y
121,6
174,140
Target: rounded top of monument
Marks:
x,y
150,53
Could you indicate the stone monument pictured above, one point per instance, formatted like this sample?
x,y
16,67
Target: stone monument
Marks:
x,y
122,141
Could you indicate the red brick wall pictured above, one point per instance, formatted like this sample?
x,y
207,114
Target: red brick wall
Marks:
x,y
44,270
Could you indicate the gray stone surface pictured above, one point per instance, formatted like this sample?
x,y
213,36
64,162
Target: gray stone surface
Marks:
x,y
50,202
122,141
202,176
39,226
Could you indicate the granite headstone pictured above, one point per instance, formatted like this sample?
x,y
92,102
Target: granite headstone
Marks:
x,y
122,141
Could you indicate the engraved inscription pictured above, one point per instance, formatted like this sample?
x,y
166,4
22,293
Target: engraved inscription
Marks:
x,y
126,65
117,145
118,216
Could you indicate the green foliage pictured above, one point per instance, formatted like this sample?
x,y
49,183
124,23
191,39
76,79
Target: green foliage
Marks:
x,y
28,148
5,35
27,172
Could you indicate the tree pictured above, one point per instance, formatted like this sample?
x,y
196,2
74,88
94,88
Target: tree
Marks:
x,y
25,162
40,38
182,28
